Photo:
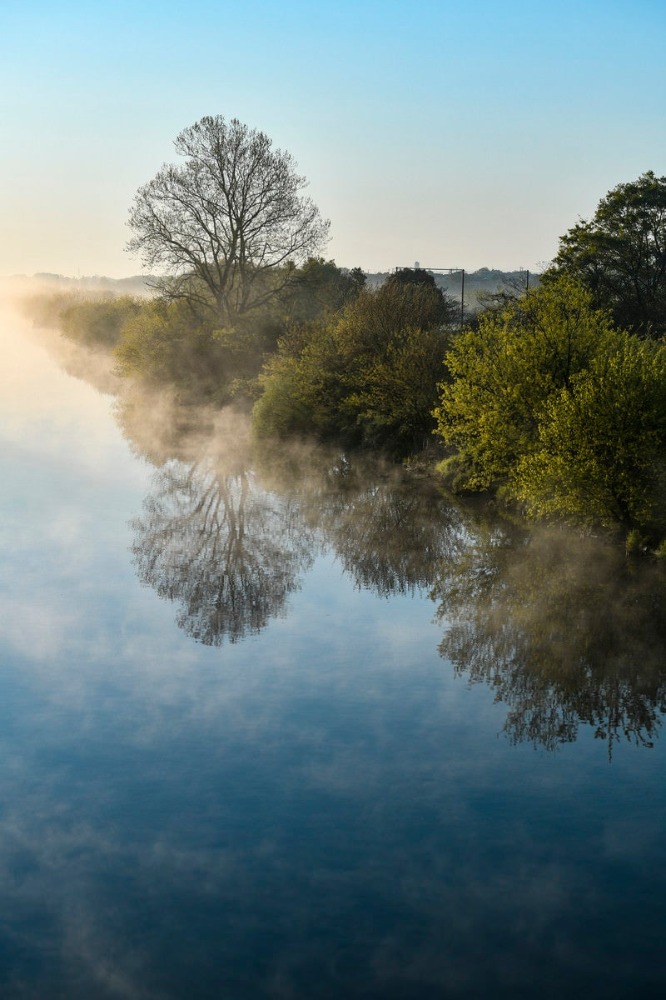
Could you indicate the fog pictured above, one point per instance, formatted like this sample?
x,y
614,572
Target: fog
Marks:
x,y
561,627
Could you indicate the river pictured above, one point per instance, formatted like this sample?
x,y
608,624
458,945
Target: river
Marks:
x,y
280,725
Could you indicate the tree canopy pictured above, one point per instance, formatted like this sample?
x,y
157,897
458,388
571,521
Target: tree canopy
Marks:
x,y
320,288
367,376
411,276
620,255
223,224
551,404
502,374
601,455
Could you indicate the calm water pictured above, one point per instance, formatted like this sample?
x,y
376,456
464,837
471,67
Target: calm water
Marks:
x,y
279,727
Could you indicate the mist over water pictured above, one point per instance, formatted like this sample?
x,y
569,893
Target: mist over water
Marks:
x,y
285,723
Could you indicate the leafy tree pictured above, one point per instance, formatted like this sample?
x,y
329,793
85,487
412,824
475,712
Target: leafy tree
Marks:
x,y
163,344
368,377
99,321
503,373
319,289
411,276
226,222
602,445
376,319
620,254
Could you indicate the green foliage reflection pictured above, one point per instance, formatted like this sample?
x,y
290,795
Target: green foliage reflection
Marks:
x,y
564,630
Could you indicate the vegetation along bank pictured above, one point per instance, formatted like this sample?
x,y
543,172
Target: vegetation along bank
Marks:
x,y
553,399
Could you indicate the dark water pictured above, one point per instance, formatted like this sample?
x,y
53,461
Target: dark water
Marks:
x,y
276,726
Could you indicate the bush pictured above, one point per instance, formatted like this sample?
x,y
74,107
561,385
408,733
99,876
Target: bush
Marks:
x,y
99,322
601,455
503,373
368,378
163,344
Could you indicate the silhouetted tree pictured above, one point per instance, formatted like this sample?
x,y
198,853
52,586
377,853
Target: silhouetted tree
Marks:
x,y
620,254
411,276
320,289
225,222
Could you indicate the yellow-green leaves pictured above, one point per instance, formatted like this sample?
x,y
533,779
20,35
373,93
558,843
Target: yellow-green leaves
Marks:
x,y
564,413
503,373
601,450
367,377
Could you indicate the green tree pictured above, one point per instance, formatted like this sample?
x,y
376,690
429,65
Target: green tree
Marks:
x,y
502,374
368,377
601,456
99,322
225,223
411,276
620,254
319,289
163,344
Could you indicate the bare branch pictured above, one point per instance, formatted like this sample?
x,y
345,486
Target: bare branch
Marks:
x,y
231,212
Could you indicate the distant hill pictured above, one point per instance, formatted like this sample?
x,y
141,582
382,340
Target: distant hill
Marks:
x,y
136,285
485,281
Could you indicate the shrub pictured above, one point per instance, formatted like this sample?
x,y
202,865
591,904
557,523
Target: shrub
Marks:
x,y
601,454
368,377
502,374
99,322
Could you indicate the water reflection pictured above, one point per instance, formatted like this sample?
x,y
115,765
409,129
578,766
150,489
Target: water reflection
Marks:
x,y
563,629
560,627
324,810
392,538
228,552
230,543
389,530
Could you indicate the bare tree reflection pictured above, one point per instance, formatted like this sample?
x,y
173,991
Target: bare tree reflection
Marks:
x,y
228,552
564,630
229,548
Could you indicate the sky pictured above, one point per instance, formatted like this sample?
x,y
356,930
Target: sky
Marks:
x,y
454,134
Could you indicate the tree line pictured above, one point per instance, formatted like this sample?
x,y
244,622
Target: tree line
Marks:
x,y
554,398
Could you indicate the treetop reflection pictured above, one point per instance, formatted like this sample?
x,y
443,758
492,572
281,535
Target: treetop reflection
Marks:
x,y
228,552
564,630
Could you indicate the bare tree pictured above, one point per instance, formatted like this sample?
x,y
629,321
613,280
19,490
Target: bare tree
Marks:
x,y
226,224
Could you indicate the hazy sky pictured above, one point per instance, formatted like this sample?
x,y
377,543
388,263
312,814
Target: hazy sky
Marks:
x,y
457,134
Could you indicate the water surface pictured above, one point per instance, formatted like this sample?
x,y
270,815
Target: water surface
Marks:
x,y
280,726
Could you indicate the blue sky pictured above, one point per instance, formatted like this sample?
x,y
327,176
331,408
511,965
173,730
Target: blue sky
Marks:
x,y
457,134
